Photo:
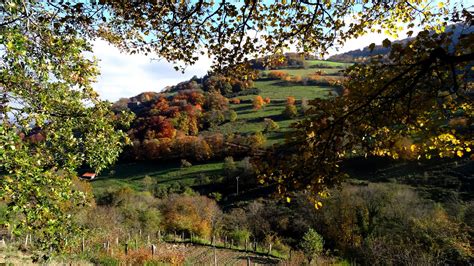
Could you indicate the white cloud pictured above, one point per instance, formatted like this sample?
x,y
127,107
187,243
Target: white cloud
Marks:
x,y
125,75
366,40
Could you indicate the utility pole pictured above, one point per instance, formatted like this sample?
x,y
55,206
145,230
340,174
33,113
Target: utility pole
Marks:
x,y
237,178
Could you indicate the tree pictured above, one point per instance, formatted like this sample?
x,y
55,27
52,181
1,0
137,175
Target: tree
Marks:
x,y
270,125
290,111
231,115
408,106
312,244
46,92
258,102
45,72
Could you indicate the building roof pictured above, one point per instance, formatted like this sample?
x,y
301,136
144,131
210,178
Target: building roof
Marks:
x,y
89,174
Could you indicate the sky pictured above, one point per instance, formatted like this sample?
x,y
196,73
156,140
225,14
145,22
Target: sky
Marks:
x,y
124,75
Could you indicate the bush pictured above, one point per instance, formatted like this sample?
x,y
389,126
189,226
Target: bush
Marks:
x,y
270,125
235,100
277,75
312,244
231,115
304,105
190,214
252,91
185,163
374,223
239,236
213,118
216,196
290,111
258,102
229,166
290,100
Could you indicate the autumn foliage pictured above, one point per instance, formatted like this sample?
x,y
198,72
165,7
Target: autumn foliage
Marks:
x,y
258,102
190,214
235,100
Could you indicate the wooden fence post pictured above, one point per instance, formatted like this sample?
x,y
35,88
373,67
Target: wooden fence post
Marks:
x,y
246,244
269,248
215,256
153,248
83,246
126,248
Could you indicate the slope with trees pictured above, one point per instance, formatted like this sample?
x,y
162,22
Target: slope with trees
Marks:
x,y
418,104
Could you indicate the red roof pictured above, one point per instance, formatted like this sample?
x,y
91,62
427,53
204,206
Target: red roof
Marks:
x,y
88,175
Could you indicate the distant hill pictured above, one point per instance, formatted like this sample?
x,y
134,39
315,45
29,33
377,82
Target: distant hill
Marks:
x,y
360,55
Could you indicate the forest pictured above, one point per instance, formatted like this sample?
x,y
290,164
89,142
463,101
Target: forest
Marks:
x,y
274,157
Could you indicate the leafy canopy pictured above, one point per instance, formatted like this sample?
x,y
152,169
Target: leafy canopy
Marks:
x,y
51,121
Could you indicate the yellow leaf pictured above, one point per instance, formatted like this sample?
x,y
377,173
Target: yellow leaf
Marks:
x,y
440,4
288,199
460,153
468,149
413,147
318,205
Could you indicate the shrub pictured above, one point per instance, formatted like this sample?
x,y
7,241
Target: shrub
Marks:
x,y
290,100
270,125
185,163
235,100
257,140
304,105
231,115
277,75
258,102
312,244
216,196
375,222
252,91
240,236
190,214
290,111
246,167
229,166
213,118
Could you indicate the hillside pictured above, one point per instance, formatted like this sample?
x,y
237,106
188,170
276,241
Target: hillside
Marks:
x,y
248,121
360,55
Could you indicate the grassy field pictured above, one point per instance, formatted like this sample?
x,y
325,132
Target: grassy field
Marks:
x,y
275,90
132,175
326,63
303,72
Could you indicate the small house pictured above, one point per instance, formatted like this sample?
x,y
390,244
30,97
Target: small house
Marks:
x,y
88,176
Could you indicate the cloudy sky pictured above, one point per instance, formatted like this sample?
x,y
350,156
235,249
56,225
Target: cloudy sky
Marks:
x,y
124,75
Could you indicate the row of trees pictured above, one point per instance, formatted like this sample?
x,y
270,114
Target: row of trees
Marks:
x,y
224,84
195,148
